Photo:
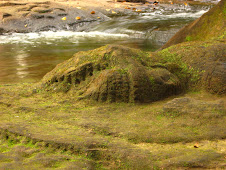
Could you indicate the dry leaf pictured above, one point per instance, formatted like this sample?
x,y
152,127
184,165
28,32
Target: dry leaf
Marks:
x,y
63,19
113,12
78,18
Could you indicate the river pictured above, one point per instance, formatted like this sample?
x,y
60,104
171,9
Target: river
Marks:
x,y
27,57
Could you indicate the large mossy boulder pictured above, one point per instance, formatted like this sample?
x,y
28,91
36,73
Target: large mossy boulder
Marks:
x,y
210,25
113,73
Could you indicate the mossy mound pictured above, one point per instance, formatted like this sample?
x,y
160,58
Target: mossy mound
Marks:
x,y
205,61
113,73
210,25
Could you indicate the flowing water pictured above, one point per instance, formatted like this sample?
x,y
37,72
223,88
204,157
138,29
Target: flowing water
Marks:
x,y
26,57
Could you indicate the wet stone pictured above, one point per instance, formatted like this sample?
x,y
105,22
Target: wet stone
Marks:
x,y
62,14
37,16
50,17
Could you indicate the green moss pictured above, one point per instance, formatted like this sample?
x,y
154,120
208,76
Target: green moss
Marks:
x,y
188,38
123,71
152,80
3,148
184,72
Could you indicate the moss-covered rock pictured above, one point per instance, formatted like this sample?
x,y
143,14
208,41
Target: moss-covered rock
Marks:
x,y
210,25
203,60
113,73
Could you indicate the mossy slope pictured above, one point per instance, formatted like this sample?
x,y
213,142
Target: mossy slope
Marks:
x,y
210,25
91,135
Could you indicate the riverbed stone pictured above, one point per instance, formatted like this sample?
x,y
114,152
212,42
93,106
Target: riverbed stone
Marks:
x,y
37,16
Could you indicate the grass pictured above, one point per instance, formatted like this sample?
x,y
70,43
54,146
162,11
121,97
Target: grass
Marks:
x,y
109,135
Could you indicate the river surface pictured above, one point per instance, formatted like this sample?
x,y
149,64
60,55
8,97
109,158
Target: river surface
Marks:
x,y
27,57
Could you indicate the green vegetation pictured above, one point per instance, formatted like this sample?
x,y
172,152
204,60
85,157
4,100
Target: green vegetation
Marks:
x,y
188,38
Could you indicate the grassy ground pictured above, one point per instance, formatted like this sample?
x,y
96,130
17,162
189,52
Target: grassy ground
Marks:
x,y
53,130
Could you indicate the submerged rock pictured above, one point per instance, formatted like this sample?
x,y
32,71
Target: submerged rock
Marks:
x,y
113,73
